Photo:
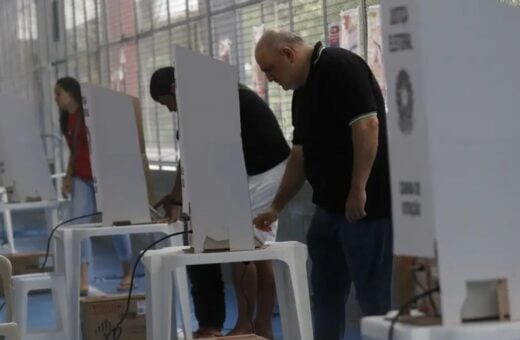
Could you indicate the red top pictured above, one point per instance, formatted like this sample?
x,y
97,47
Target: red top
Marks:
x,y
81,166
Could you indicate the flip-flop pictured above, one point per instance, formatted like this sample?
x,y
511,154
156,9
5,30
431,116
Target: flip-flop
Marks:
x,y
206,333
124,287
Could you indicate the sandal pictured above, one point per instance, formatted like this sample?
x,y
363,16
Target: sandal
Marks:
x,y
203,333
125,286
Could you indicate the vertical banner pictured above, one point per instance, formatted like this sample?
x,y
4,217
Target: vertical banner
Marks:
x,y
334,35
375,46
259,78
350,30
224,49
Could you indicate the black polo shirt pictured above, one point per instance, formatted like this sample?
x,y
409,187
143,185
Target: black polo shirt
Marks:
x,y
263,142
340,89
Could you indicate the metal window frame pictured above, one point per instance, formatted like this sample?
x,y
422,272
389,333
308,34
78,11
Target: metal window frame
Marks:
x,y
52,62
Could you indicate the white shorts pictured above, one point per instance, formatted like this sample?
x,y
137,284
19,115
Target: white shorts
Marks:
x,y
262,190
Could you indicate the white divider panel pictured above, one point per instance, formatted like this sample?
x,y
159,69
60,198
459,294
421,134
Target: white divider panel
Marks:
x,y
23,165
215,189
121,193
453,72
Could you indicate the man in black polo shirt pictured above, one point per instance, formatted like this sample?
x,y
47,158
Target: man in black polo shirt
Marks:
x,y
265,151
339,146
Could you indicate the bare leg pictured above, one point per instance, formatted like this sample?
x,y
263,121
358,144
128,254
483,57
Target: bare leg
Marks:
x,y
245,280
83,285
125,283
266,296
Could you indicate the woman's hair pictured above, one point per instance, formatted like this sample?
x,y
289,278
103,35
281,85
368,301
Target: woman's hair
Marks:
x,y
72,87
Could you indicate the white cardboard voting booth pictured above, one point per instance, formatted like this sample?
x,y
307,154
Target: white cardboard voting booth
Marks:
x,y
453,84
215,189
24,170
25,179
117,165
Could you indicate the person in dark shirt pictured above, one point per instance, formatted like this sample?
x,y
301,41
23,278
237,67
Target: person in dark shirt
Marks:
x,y
265,151
340,147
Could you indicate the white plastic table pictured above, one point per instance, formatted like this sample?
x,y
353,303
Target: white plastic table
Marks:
x,y
376,328
7,208
68,256
166,268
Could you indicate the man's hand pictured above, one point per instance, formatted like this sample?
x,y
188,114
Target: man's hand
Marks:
x,y
173,211
355,205
264,220
66,186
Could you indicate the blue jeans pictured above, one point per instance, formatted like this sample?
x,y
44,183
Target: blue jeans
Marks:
x,y
342,253
83,202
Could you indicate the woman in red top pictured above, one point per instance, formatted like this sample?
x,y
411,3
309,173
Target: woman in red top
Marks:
x,y
78,180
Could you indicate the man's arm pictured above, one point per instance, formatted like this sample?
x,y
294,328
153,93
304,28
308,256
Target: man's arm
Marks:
x,y
292,181
365,134
171,203
176,193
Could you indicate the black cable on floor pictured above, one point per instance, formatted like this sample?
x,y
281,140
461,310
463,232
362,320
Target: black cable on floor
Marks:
x,y
42,268
423,289
405,306
116,330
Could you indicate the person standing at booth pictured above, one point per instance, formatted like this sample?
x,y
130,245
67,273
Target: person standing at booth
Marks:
x,y
78,180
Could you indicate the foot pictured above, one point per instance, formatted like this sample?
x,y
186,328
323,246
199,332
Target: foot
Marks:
x,y
264,330
206,332
83,284
83,291
265,333
125,284
240,331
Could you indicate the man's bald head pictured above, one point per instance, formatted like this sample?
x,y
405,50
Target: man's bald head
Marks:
x,y
283,56
275,40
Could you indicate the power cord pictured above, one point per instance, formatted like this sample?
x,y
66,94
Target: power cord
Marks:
x,y
116,334
42,268
423,289
405,306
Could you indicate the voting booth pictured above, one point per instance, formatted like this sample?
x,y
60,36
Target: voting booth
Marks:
x,y
453,85
24,170
117,162
214,178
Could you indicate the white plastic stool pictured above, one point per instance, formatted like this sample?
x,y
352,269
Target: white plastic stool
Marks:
x,y
167,267
22,285
10,330
6,208
68,257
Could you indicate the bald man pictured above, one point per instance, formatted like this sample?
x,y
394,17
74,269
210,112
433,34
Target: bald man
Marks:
x,y
340,147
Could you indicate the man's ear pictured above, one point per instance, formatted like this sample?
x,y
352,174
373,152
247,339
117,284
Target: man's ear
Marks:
x,y
288,53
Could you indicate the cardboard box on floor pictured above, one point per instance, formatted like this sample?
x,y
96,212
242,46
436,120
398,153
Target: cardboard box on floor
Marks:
x,y
27,263
100,314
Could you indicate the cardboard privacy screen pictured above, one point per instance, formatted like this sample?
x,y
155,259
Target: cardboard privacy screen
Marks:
x,y
215,189
453,75
24,168
117,163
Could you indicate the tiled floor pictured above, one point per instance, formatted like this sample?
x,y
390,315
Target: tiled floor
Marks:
x,y
30,236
